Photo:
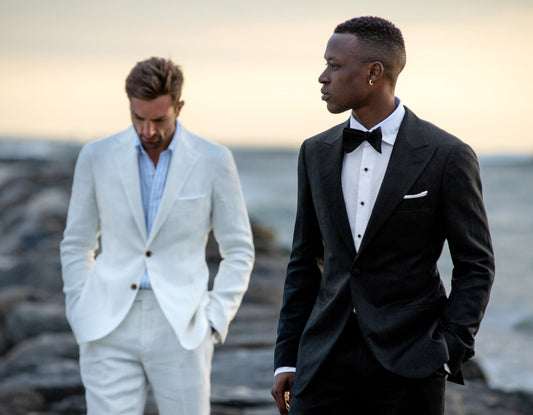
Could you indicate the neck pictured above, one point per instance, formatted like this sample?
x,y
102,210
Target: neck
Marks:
x,y
154,156
371,115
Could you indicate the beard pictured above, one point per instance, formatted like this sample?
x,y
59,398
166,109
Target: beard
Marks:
x,y
151,143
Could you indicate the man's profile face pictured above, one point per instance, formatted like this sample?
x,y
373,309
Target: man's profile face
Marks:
x,y
345,79
155,121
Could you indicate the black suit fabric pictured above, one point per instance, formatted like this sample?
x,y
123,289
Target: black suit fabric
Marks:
x,y
407,320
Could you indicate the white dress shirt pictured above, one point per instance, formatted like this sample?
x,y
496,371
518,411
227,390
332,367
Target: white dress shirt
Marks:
x,y
153,181
363,170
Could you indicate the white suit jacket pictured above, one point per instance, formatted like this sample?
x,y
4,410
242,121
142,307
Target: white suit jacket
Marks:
x,y
202,192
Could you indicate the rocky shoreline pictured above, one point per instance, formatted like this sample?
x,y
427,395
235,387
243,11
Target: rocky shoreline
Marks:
x,y
39,372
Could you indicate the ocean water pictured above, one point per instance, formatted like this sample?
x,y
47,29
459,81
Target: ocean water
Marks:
x,y
504,344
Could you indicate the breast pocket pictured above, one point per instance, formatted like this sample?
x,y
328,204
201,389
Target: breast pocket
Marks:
x,y
191,204
192,210
415,200
191,197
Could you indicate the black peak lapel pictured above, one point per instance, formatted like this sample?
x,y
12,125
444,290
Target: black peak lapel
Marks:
x,y
410,155
329,157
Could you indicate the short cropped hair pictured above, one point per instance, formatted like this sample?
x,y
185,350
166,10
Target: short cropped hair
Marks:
x,y
384,40
154,77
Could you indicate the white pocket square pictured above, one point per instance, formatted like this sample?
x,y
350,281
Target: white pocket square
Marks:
x,y
418,195
192,197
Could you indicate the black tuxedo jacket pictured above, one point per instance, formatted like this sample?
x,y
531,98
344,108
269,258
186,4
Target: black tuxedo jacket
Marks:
x,y
411,325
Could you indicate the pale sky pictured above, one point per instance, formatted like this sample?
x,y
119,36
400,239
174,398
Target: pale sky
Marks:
x,y
251,68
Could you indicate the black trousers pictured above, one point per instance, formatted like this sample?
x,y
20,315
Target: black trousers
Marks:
x,y
352,382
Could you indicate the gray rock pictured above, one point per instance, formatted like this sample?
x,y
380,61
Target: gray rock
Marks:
x,y
29,319
70,405
40,269
247,367
12,295
254,326
475,398
32,353
240,396
20,401
4,345
53,380
47,363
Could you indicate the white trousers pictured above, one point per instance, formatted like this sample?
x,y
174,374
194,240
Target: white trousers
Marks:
x,y
142,350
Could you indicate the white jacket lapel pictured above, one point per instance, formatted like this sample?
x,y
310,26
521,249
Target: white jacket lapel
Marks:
x,y
183,160
128,168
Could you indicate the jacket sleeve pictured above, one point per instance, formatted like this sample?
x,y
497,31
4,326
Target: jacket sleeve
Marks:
x,y
469,241
302,282
231,229
80,239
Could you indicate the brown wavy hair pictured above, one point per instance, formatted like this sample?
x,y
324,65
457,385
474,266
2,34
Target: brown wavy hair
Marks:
x,y
154,77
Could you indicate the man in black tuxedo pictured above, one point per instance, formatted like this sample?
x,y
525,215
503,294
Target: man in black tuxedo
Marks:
x,y
366,325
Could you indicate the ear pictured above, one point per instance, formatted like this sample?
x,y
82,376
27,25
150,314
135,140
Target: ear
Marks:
x,y
376,71
179,106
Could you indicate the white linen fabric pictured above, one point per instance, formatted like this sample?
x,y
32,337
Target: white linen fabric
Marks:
x,y
202,193
116,369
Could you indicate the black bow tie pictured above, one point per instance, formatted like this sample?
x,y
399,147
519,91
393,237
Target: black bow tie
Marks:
x,y
351,139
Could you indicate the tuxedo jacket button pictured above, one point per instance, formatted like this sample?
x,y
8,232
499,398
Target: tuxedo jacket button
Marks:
x,y
148,254
133,286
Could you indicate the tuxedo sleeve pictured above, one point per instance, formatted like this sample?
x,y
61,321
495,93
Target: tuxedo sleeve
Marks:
x,y
469,241
303,276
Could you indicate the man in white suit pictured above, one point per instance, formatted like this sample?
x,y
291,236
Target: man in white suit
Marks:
x,y
133,254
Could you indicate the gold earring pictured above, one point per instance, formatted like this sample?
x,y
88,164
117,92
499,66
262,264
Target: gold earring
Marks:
x,y
370,82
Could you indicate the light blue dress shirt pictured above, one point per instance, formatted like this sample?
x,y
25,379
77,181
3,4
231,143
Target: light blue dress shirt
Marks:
x,y
153,181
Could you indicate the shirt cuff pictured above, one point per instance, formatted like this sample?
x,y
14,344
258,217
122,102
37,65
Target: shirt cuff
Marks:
x,y
284,369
